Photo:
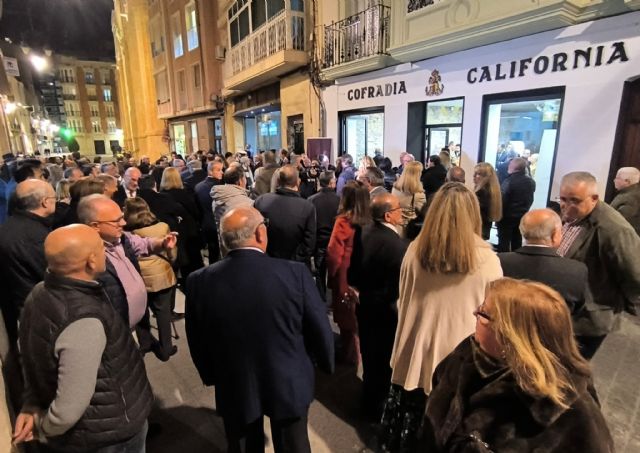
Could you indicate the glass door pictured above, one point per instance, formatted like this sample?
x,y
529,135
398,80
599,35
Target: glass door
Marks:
x,y
362,133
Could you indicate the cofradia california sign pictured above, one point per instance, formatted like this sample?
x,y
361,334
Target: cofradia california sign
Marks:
x,y
561,61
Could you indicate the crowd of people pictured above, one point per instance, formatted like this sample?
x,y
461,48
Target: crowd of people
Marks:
x,y
461,348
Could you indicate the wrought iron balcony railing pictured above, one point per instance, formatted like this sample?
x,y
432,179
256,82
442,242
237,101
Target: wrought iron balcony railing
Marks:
x,y
359,36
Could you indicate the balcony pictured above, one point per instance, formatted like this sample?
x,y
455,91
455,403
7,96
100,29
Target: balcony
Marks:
x,y
356,44
69,97
273,49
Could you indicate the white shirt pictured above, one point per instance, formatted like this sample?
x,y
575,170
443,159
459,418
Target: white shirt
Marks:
x,y
390,226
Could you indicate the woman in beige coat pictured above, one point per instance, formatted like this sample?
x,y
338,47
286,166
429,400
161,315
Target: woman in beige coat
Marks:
x,y
410,193
442,282
158,276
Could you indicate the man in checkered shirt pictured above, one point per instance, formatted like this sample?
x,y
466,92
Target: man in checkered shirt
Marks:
x,y
596,234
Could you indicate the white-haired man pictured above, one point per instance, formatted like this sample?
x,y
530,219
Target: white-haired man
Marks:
x,y
627,202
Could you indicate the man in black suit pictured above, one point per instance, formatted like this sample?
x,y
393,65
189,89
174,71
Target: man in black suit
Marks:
x,y
539,261
326,203
377,277
517,197
194,175
254,339
292,219
129,186
215,170
433,176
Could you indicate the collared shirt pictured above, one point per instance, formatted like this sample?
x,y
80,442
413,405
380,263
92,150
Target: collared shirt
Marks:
x,y
129,193
390,226
570,231
129,276
249,248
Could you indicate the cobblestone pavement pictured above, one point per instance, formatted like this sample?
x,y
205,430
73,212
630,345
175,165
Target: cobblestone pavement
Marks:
x,y
185,409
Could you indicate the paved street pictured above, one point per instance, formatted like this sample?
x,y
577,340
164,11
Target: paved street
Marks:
x,y
186,411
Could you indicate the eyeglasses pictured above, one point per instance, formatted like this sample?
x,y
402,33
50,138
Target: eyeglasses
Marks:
x,y
393,209
482,316
264,222
116,221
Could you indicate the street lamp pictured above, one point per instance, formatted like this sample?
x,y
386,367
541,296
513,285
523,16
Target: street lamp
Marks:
x,y
39,63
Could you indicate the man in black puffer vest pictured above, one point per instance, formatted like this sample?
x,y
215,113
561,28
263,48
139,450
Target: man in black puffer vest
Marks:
x,y
86,387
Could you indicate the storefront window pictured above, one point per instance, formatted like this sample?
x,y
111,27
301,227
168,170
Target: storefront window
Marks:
x,y
524,125
443,127
362,134
268,129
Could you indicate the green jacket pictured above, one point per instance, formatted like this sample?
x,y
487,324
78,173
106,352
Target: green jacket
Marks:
x,y
627,203
610,248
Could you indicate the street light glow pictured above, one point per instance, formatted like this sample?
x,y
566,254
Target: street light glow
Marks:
x,y
38,62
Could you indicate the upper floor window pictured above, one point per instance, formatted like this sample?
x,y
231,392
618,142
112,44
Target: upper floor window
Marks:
x,y
192,26
157,37
89,76
261,11
176,30
106,94
105,76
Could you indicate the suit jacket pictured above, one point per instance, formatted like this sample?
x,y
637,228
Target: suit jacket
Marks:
x,y
252,323
627,203
120,196
517,195
326,203
433,178
377,272
542,264
192,179
203,195
292,224
378,190
609,246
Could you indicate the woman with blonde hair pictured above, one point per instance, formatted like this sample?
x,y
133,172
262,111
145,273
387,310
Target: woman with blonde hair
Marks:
x,y
410,192
159,279
190,241
365,162
519,384
487,188
442,281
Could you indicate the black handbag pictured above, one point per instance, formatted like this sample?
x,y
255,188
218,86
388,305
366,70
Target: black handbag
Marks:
x,y
414,226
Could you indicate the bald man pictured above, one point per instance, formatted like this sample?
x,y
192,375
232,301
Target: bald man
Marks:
x,y
252,324
627,201
539,261
86,387
21,247
377,274
129,186
292,219
122,280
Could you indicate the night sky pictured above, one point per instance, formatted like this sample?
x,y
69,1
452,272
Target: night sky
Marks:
x,y
77,27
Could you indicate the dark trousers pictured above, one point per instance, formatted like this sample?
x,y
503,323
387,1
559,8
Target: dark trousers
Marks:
x,y
321,271
588,346
509,237
288,435
377,326
136,444
160,303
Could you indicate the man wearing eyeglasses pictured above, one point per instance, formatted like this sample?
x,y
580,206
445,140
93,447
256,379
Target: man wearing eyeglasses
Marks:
x,y
594,233
376,277
122,280
22,247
